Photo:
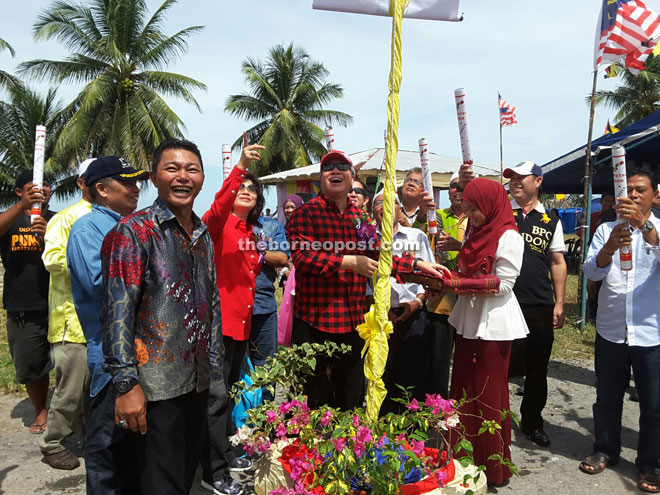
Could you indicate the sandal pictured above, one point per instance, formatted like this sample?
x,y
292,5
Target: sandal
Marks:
x,y
598,462
648,479
38,429
62,460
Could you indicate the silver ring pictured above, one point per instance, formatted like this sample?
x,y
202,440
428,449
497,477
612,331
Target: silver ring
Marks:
x,y
122,423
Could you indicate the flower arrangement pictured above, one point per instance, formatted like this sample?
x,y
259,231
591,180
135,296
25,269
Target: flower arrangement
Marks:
x,y
366,227
328,451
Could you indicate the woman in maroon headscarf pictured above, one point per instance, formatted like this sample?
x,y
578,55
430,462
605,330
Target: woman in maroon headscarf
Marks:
x,y
486,324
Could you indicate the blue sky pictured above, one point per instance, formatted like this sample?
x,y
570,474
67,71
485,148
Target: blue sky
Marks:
x,y
538,56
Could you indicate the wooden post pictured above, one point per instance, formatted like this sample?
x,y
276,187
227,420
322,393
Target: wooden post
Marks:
x,y
586,211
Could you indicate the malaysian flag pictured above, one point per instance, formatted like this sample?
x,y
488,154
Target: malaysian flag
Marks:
x,y
507,112
627,29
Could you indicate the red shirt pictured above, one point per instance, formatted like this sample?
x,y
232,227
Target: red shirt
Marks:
x,y
237,268
329,299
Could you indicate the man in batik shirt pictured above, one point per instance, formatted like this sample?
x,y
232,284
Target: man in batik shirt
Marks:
x,y
162,339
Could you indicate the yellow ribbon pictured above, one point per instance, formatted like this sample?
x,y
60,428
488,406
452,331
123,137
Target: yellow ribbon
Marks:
x,y
377,327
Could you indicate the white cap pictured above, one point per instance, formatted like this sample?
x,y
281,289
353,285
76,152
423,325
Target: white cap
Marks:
x,y
382,191
524,168
82,168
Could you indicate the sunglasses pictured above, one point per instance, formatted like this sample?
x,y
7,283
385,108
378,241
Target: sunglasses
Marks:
x,y
358,190
342,167
454,185
250,187
410,180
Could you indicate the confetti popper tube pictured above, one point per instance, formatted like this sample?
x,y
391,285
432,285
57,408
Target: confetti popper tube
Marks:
x,y
38,168
428,183
226,160
461,114
621,191
329,138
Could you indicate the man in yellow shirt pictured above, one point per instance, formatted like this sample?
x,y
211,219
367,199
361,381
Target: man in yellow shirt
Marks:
x,y
68,345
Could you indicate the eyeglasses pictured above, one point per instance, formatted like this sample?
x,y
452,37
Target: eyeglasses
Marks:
x,y
250,187
358,190
410,180
341,166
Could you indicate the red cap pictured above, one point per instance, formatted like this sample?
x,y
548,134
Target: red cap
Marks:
x,y
333,155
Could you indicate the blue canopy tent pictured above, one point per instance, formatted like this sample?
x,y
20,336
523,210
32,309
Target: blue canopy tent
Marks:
x,y
641,141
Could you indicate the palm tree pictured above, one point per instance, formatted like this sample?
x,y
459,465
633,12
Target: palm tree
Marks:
x,y
7,79
119,53
637,96
19,115
287,94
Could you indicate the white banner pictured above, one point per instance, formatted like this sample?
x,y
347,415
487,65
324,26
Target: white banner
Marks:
x,y
436,10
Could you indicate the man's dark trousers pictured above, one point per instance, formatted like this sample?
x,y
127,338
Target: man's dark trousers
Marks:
x,y
217,451
111,453
263,342
613,363
538,347
170,451
345,387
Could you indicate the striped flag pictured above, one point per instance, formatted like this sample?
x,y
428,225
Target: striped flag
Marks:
x,y
507,112
628,30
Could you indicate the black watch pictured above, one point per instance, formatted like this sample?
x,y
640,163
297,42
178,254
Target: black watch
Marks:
x,y
125,385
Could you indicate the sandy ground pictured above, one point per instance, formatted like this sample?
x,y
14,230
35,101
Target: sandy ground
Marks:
x,y
552,470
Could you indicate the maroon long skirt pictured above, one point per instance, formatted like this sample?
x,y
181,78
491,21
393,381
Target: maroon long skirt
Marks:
x,y
481,369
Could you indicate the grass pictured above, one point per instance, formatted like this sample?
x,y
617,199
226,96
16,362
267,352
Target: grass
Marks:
x,y
570,342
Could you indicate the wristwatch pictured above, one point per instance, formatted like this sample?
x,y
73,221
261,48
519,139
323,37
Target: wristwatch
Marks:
x,y
647,227
125,384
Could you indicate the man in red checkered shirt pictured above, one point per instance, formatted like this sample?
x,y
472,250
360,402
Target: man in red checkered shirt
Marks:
x,y
334,255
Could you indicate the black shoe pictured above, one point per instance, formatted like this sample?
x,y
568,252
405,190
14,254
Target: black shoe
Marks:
x,y
228,486
539,437
634,396
240,464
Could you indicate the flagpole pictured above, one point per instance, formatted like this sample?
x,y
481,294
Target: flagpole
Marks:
x,y
501,155
586,210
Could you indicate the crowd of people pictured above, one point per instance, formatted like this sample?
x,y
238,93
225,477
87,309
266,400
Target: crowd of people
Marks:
x,y
146,317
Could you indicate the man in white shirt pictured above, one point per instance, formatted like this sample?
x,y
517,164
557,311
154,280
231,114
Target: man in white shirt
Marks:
x,y
628,330
409,343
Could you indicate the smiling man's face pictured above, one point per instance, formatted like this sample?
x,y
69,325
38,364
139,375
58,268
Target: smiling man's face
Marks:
x,y
336,183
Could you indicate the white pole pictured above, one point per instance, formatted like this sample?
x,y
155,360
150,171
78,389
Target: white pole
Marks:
x,y
621,191
38,168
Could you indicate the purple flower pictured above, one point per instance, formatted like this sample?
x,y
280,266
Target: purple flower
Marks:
x,y
363,434
441,477
417,446
280,431
413,406
356,420
338,443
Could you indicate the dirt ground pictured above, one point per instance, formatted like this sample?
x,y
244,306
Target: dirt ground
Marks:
x,y
552,470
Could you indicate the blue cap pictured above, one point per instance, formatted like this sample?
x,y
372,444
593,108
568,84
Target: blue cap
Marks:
x,y
112,166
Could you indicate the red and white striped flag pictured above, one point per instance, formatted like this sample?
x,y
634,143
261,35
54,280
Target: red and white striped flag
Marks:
x,y
627,29
507,112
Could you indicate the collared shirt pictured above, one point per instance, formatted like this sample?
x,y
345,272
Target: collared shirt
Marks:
x,y
407,241
330,299
557,243
274,238
627,300
83,254
63,324
237,260
161,311
412,218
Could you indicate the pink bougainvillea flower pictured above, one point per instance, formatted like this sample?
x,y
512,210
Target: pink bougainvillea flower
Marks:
x,y
326,418
284,407
417,446
271,416
356,420
358,449
363,434
338,443
413,406
281,430
441,477
400,438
